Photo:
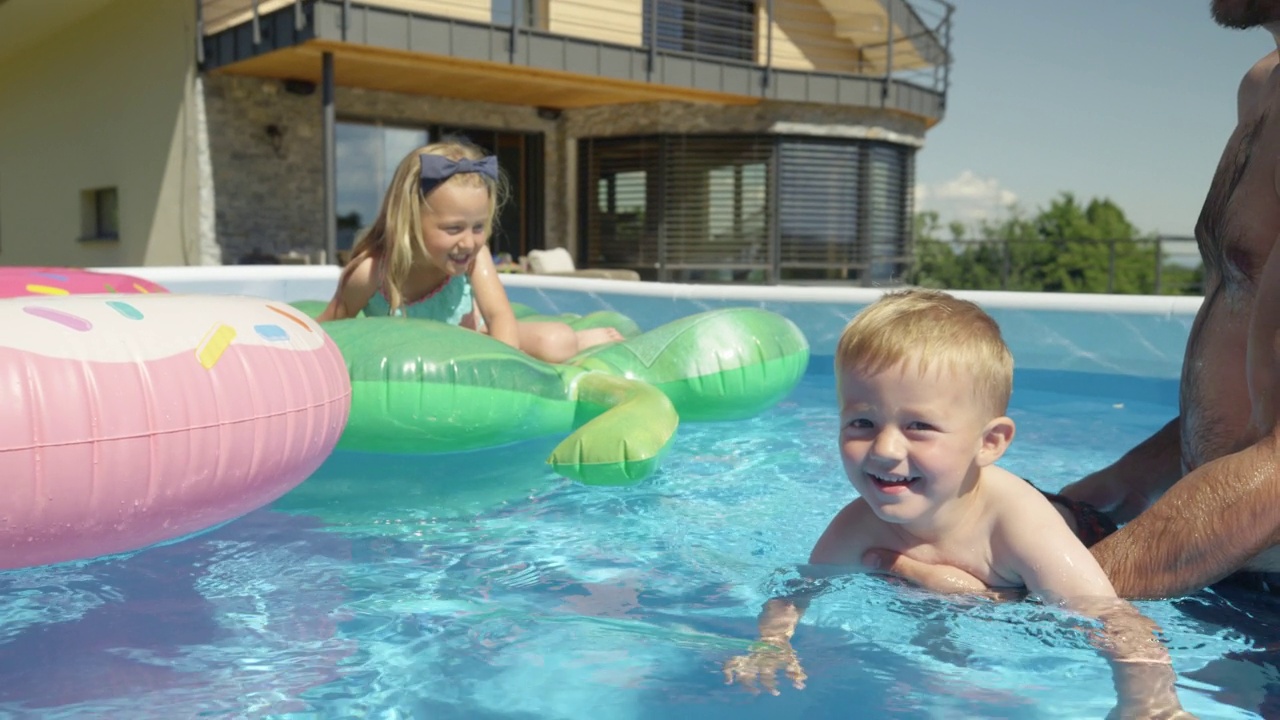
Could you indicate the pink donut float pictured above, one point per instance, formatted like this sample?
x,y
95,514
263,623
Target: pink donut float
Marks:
x,y
22,281
131,420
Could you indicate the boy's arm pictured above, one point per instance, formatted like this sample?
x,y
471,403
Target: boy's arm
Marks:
x,y
845,537
1036,544
841,544
491,300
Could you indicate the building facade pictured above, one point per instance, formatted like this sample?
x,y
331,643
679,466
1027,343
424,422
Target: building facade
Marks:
x,y
694,140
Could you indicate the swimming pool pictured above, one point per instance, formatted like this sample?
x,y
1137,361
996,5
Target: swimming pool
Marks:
x,y
472,588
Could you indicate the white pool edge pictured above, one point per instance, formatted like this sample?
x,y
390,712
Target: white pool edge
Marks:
x,y
1136,335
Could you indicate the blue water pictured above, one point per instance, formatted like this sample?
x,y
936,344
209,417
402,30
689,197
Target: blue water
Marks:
x,y
483,587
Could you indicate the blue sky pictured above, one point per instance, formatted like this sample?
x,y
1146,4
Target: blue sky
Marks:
x,y
1127,99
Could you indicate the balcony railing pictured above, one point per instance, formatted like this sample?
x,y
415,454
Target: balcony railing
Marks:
x,y
898,45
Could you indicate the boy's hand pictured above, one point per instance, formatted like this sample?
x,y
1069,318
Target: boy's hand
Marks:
x,y
937,578
759,668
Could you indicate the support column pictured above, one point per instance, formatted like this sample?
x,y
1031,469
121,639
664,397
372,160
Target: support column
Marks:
x,y
330,174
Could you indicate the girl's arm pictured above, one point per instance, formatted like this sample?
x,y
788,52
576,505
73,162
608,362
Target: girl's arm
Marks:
x,y
358,283
491,300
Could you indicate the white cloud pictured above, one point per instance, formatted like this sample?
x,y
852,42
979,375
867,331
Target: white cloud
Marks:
x,y
967,198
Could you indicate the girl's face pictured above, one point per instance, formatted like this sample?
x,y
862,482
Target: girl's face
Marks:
x,y
453,226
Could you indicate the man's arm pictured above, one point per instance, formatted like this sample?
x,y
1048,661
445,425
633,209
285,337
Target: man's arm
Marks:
x,y
1129,485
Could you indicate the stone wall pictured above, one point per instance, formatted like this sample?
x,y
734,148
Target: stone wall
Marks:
x,y
269,193
766,117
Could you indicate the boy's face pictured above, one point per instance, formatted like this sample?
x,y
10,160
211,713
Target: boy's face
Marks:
x,y
910,443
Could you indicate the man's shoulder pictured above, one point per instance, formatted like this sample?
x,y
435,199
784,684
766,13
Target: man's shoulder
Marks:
x,y
1253,86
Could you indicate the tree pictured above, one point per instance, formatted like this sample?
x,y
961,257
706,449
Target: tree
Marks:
x,y
1065,247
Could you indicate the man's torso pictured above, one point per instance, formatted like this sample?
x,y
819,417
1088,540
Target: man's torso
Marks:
x,y
1237,228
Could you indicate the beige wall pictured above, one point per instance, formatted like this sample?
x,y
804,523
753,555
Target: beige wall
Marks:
x,y
611,21
103,102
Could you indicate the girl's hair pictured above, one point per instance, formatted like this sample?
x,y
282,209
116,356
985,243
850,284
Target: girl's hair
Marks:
x,y
398,228
930,326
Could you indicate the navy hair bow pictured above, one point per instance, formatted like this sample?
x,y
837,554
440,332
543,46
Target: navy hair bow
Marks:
x,y
438,168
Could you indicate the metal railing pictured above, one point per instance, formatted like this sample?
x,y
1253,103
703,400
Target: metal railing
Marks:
x,y
907,41
1164,265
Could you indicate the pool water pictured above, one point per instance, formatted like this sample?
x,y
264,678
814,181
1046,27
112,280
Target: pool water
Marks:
x,y
483,587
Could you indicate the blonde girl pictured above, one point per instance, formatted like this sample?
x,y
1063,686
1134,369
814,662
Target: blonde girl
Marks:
x,y
426,256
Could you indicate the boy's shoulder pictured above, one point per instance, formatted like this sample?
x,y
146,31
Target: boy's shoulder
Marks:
x,y
1013,501
849,534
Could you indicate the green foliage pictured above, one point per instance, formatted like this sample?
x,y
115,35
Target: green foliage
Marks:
x,y
1066,247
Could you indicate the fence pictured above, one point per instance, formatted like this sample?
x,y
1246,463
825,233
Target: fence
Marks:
x,y
1164,265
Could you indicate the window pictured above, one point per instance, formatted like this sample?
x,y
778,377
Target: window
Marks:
x,y
621,183
521,13
819,193
367,155
717,28
694,206
747,208
100,214
888,212
366,159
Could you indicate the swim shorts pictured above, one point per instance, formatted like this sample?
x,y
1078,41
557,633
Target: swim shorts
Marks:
x,y
1091,524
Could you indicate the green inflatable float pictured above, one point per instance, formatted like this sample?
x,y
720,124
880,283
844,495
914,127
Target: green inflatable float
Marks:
x,y
422,387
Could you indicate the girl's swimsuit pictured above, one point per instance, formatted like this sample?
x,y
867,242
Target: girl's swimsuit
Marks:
x,y
450,303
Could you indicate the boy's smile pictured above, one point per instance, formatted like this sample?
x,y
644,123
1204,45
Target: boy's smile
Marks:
x,y
911,442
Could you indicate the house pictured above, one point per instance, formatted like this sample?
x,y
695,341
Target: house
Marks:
x,y
708,140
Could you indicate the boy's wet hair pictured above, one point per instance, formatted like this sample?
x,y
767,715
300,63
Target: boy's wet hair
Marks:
x,y
399,222
933,328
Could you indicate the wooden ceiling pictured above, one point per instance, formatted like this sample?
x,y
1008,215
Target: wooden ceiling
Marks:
x,y
442,76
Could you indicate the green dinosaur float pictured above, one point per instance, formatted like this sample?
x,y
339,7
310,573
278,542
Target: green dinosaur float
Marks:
x,y
423,387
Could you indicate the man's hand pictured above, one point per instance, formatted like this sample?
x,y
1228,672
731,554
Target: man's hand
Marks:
x,y
937,578
1104,491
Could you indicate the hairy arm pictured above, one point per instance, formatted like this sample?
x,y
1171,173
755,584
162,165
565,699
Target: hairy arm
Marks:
x,y
1129,485
1226,511
357,284
491,300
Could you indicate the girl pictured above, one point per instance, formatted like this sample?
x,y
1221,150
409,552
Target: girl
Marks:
x,y
426,256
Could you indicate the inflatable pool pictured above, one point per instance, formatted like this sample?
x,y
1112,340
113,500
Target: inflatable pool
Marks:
x,y
421,387
131,420
21,281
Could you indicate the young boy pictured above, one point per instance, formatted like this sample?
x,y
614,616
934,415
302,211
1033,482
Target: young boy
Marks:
x,y
923,381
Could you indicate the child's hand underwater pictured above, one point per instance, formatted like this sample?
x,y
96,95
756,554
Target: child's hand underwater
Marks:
x,y
759,667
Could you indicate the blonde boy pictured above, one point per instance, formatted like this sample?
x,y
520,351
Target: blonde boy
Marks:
x,y
923,381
